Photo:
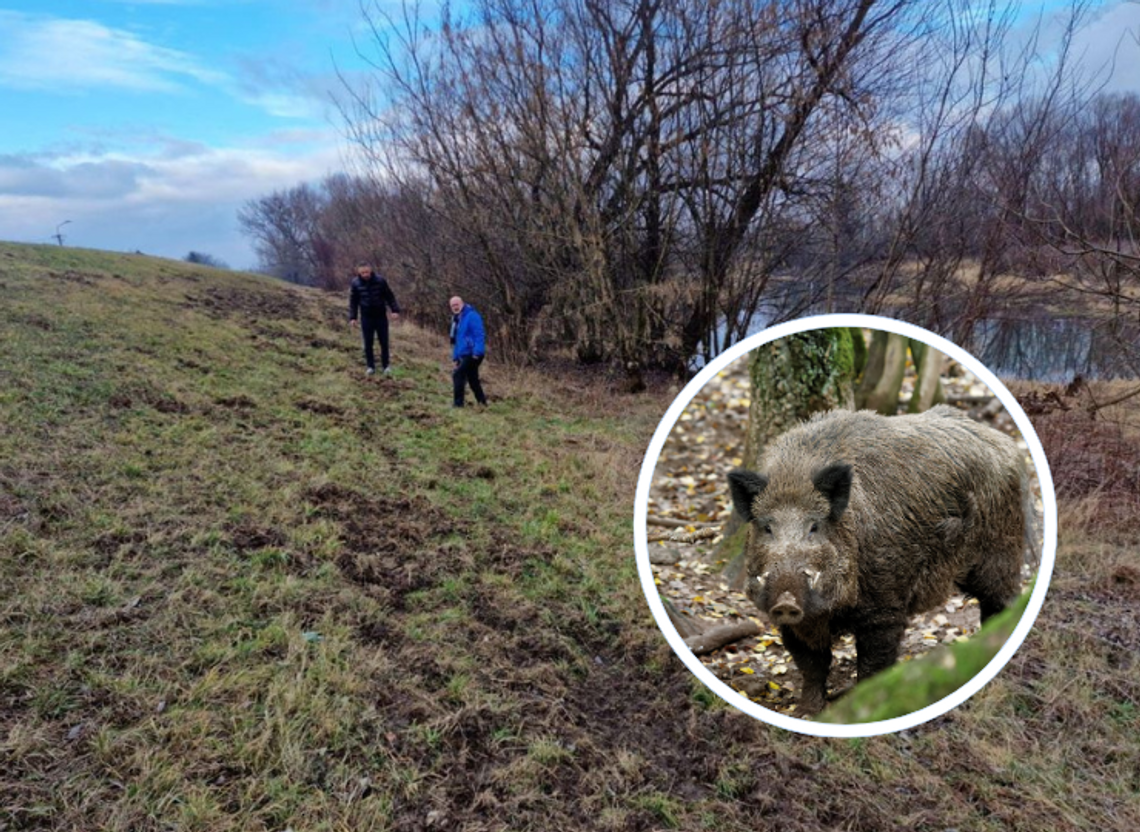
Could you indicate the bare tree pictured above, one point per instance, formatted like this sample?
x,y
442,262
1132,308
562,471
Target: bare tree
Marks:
x,y
619,168
286,233
646,181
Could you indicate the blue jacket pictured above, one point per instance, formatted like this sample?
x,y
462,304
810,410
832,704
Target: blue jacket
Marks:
x,y
469,336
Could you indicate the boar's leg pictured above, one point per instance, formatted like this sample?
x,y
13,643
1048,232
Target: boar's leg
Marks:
x,y
994,584
814,663
877,647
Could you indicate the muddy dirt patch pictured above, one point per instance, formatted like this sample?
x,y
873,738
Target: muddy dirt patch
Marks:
x,y
34,320
191,364
139,395
249,537
395,543
326,344
222,302
238,402
467,471
75,277
423,418
11,508
111,543
319,407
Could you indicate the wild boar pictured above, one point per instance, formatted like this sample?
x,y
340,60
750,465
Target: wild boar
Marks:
x,y
859,521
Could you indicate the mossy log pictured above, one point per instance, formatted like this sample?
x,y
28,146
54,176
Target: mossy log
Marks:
x,y
911,686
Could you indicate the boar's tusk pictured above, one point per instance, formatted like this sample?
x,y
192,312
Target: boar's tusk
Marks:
x,y
813,577
762,579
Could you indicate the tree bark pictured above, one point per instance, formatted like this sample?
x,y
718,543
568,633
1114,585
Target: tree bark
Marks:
x,y
686,627
886,364
716,637
792,378
928,385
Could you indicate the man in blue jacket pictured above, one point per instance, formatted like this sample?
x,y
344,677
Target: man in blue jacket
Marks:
x,y
372,297
468,351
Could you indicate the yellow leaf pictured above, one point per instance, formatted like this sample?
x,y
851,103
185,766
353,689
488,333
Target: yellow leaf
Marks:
x,y
698,599
747,670
773,686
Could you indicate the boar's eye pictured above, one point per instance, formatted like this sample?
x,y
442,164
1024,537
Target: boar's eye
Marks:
x,y
814,528
768,528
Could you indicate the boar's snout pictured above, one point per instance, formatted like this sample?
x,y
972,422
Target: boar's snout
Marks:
x,y
786,611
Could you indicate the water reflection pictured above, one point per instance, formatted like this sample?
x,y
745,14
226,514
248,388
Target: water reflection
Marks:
x,y
1046,349
1057,349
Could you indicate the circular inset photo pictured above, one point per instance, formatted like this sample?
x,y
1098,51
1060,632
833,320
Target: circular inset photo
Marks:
x,y
845,525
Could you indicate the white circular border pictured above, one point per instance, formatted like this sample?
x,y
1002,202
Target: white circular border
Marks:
x,y
866,729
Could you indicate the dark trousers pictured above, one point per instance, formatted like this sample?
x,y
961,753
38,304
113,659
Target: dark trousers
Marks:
x,y
468,373
374,324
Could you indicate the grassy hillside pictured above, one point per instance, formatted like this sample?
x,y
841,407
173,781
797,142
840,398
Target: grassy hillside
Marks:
x,y
243,587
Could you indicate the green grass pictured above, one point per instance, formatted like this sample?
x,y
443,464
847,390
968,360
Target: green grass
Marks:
x,y
242,587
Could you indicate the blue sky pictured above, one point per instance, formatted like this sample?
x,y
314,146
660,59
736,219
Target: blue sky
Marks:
x,y
147,123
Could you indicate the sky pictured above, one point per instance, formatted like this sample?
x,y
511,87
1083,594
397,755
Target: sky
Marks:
x,y
145,124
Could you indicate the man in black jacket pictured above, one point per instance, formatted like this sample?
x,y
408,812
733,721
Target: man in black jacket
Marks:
x,y
372,297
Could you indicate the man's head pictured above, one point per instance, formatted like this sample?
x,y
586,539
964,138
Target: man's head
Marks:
x,y
456,304
364,269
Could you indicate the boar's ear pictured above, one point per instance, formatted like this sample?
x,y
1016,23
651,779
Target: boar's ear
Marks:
x,y
746,487
834,483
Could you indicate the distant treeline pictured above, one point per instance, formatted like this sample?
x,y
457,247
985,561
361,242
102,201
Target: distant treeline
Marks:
x,y
640,181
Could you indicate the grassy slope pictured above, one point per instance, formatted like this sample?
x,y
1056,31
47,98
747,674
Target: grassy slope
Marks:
x,y
244,588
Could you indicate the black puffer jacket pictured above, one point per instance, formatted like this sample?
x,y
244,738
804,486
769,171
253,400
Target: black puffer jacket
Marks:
x,y
370,296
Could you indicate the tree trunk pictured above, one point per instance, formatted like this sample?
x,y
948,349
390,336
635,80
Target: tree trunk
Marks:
x,y
882,380
792,378
928,386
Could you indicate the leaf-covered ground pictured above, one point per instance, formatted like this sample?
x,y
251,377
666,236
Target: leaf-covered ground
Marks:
x,y
689,485
242,587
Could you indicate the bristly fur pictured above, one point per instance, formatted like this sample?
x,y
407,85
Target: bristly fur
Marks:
x,y
867,520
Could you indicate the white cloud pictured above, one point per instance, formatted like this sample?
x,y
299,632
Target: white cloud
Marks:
x,y
1112,40
277,86
155,200
72,56
76,55
282,104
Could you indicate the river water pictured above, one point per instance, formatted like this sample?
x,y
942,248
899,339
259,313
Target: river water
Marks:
x,y
1053,350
